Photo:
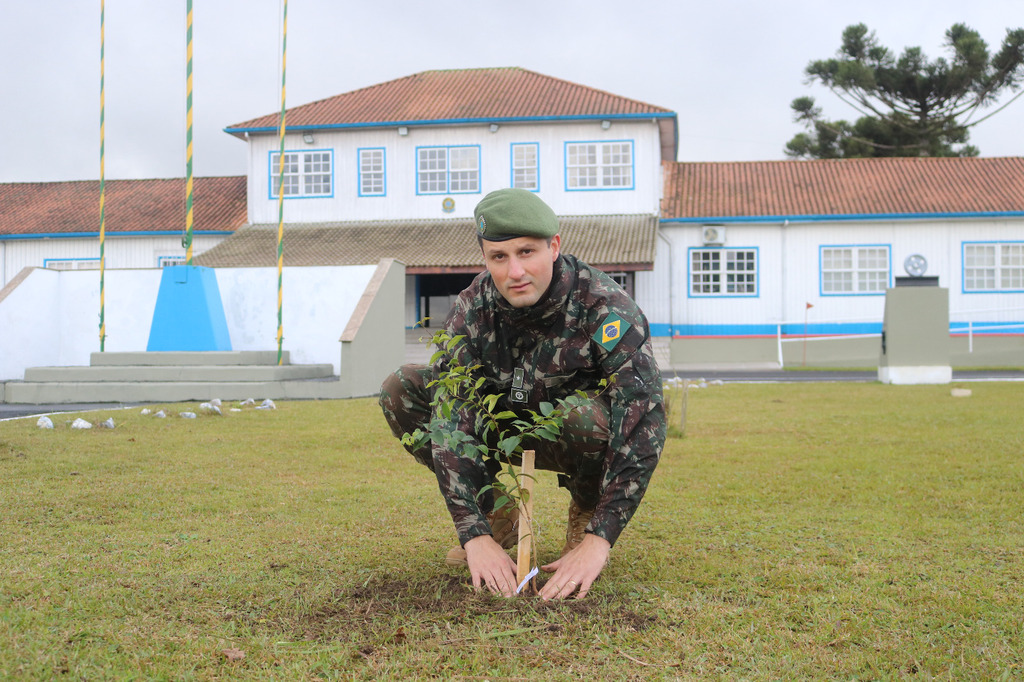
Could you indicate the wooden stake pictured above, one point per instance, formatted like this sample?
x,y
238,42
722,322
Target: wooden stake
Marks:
x,y
525,517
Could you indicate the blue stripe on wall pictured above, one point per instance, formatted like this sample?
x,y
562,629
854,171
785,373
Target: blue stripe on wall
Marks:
x,y
836,329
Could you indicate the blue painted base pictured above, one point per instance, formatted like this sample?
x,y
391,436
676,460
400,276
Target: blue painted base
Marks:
x,y
189,315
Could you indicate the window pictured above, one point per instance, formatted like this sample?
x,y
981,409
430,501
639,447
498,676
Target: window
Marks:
x,y
447,170
854,270
994,267
306,174
72,263
169,261
371,172
624,280
599,165
525,174
723,272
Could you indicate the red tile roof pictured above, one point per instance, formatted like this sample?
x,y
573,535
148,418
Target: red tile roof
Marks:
x,y
843,187
459,95
131,206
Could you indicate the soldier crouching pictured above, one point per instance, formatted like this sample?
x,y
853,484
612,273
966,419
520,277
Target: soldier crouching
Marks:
x,y
542,325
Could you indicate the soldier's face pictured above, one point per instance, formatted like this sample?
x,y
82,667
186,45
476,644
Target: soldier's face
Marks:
x,y
521,268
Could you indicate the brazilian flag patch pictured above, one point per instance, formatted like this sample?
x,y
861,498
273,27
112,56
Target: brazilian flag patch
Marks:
x,y
611,331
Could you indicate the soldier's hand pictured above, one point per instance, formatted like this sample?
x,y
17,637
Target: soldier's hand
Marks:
x,y
490,566
577,570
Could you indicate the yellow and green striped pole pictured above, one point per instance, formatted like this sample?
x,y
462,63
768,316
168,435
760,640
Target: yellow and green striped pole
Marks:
x,y
280,185
186,240
103,188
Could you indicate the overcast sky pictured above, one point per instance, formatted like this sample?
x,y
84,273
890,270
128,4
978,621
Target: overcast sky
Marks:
x,y
729,68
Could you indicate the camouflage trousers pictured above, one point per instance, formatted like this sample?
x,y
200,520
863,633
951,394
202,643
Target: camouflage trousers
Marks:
x,y
577,456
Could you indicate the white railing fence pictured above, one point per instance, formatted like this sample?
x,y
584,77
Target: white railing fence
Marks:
x,y
955,327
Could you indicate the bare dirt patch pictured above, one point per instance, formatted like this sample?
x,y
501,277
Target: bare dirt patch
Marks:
x,y
444,604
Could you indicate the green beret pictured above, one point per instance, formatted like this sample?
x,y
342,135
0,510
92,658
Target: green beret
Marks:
x,y
510,213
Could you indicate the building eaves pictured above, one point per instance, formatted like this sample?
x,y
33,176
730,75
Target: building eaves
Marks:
x,y
612,242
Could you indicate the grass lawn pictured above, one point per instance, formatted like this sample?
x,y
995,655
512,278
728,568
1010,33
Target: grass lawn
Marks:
x,y
851,531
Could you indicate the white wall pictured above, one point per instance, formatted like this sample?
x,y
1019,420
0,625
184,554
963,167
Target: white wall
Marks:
x,y
317,304
52,318
789,272
119,252
402,201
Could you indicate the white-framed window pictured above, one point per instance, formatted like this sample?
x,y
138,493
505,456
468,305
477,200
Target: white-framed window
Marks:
x,y
372,172
169,261
624,280
306,173
599,165
72,263
447,170
723,272
525,166
854,270
993,266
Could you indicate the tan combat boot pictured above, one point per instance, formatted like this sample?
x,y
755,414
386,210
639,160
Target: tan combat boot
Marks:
x,y
575,530
504,530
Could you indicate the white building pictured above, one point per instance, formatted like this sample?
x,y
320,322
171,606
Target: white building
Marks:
x,y
730,260
56,225
397,168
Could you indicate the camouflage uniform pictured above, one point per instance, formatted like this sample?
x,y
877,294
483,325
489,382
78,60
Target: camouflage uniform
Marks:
x,y
607,451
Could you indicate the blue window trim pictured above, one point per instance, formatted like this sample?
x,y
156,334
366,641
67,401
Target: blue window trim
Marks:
x,y
689,272
180,257
359,171
632,161
963,269
669,115
448,168
110,235
512,162
270,174
821,272
47,261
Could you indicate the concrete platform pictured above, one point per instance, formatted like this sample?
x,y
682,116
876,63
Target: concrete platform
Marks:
x,y
174,377
158,358
206,373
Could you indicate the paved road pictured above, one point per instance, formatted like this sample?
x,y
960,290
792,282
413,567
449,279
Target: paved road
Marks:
x,y
791,376
13,411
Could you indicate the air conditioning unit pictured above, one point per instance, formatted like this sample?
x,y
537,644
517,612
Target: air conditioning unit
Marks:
x,y
713,234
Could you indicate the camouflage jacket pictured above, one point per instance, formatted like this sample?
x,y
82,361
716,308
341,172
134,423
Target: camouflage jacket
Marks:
x,y
558,342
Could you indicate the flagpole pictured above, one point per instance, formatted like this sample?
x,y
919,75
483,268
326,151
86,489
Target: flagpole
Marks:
x,y
103,188
280,188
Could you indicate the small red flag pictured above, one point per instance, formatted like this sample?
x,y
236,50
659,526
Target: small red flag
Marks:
x,y
809,306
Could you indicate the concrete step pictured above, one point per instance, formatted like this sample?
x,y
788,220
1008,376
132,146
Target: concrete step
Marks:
x,y
171,373
57,392
159,358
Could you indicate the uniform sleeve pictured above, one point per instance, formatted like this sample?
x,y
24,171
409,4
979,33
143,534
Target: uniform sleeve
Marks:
x,y
637,428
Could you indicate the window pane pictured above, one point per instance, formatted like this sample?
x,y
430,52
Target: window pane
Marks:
x,y
524,166
433,170
371,171
723,272
464,169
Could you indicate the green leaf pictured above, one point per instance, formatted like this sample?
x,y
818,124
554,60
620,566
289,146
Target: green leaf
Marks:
x,y
508,445
546,408
545,434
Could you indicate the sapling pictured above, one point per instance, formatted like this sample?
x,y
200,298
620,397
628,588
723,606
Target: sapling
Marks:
x,y
500,434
